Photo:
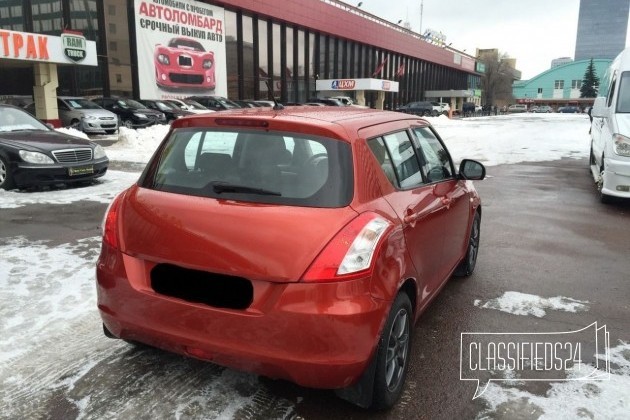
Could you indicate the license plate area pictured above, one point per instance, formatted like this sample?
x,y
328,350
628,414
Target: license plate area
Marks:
x,y
81,170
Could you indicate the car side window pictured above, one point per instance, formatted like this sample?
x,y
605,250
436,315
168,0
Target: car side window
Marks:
x,y
377,146
611,91
404,159
436,162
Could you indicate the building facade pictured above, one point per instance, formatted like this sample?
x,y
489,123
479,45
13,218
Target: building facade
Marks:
x,y
282,45
602,29
558,86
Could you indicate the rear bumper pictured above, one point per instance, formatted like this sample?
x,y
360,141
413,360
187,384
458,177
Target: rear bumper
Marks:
x,y
316,335
616,178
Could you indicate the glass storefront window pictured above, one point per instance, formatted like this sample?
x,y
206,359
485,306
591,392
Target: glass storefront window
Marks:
x,y
11,15
301,91
231,52
289,70
263,58
46,18
248,58
277,68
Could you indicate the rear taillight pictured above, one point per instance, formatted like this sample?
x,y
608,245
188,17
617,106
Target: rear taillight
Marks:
x,y
110,222
349,254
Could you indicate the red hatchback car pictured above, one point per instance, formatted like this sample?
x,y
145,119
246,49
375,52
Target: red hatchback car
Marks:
x,y
300,243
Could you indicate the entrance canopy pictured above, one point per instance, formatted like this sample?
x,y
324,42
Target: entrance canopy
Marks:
x,y
44,53
356,84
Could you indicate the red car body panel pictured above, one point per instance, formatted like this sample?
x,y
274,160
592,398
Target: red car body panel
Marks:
x,y
320,335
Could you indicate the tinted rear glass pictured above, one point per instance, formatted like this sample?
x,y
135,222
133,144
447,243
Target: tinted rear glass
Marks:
x,y
261,167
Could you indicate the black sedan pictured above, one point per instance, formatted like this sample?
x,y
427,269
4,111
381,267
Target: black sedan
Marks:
x,y
32,154
418,108
170,111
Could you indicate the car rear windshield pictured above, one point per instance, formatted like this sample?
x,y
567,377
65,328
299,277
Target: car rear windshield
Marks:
x,y
253,166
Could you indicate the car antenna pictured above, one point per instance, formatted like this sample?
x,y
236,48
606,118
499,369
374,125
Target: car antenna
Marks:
x,y
277,106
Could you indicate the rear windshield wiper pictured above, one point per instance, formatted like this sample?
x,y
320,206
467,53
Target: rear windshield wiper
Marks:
x,y
221,187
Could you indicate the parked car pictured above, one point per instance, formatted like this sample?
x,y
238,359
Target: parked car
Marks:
x,y
437,107
215,103
301,244
170,111
446,107
132,114
346,100
569,110
421,108
469,108
326,101
610,132
32,154
533,109
517,108
83,115
544,109
184,63
189,105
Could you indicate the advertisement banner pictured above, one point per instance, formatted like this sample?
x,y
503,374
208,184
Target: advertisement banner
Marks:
x,y
181,49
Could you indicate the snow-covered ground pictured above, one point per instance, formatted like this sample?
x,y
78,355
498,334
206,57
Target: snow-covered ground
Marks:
x,y
49,343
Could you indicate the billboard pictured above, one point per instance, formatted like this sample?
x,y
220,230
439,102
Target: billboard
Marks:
x,y
181,49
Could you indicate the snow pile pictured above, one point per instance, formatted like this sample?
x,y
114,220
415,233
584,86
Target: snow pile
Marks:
x,y
570,399
72,132
137,145
517,303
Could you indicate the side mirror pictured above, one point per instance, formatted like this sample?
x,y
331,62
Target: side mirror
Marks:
x,y
472,170
599,107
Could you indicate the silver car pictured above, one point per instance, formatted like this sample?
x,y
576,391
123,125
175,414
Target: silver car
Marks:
x,y
85,115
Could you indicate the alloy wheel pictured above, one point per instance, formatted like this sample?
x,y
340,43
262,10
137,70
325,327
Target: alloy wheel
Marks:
x,y
397,350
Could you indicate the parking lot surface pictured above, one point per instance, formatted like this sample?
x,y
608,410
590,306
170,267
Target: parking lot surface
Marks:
x,y
544,235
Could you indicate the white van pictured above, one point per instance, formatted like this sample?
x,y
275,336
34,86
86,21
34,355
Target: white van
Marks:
x,y
610,131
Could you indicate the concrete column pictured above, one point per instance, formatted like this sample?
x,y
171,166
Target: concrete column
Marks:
x,y
45,93
380,99
360,97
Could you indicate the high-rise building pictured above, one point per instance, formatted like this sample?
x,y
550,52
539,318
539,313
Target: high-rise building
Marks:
x,y
602,29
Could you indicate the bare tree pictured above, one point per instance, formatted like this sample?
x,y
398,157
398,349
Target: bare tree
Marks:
x,y
499,74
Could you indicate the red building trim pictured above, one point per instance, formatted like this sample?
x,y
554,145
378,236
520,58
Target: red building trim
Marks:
x,y
343,23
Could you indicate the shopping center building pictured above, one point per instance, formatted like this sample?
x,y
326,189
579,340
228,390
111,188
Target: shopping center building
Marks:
x,y
241,49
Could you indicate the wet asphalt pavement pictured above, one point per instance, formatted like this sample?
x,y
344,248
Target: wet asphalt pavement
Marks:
x,y
543,232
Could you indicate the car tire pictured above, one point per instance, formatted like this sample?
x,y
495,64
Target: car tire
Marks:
x,y
467,266
127,123
6,177
76,124
392,356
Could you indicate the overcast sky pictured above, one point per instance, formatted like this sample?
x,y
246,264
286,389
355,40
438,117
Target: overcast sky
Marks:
x,y
532,31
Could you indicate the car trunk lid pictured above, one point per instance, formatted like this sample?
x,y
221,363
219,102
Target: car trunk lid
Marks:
x,y
256,241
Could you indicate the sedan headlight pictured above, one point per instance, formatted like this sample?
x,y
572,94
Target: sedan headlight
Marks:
x,y
207,64
163,59
139,115
99,152
90,117
35,157
621,144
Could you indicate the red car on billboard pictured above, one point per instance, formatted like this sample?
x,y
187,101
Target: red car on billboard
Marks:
x,y
184,63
